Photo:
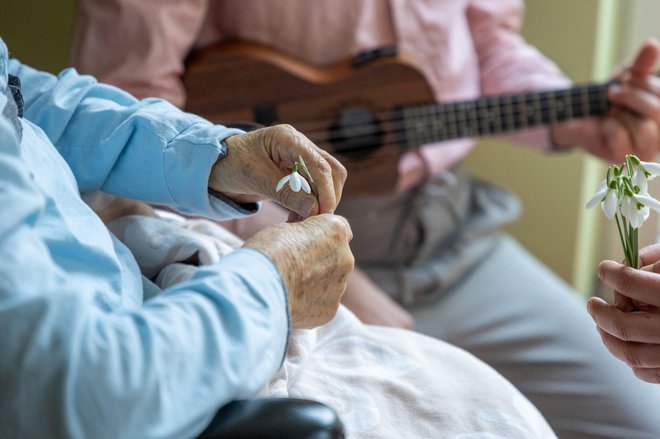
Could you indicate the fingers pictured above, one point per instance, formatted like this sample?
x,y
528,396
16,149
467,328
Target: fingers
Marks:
x,y
646,59
643,358
638,327
286,145
642,65
633,354
258,160
616,139
650,254
326,171
605,137
327,264
335,223
339,174
638,114
294,217
633,124
636,101
631,127
643,134
300,203
650,375
623,303
640,285
650,83
265,174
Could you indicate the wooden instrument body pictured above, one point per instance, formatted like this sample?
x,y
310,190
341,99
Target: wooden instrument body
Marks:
x,y
233,82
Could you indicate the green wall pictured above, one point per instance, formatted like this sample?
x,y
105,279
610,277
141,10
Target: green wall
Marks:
x,y
554,187
37,31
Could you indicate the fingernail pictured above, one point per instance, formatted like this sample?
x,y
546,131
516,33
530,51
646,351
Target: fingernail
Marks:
x,y
615,89
589,310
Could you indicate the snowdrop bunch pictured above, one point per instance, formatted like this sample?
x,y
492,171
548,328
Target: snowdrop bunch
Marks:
x,y
623,195
297,181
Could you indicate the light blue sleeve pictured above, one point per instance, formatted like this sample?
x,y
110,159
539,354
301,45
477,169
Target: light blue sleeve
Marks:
x,y
69,369
147,150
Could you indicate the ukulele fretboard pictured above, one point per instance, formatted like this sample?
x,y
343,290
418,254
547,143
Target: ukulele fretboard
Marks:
x,y
500,114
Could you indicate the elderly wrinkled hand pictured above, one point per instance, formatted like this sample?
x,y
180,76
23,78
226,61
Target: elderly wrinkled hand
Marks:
x,y
314,260
630,328
632,126
257,160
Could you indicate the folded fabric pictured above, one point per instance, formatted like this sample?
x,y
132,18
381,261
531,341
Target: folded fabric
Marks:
x,y
157,242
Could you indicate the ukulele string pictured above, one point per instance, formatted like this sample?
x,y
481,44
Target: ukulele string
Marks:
x,y
415,139
462,125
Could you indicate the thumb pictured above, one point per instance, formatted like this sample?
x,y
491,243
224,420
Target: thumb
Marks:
x,y
646,59
300,203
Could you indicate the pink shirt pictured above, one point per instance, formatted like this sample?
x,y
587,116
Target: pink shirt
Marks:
x,y
467,48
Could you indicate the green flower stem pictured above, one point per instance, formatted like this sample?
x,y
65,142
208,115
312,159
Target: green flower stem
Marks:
x,y
301,162
635,253
629,241
632,245
623,241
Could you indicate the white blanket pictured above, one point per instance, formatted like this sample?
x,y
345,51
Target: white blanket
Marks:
x,y
383,382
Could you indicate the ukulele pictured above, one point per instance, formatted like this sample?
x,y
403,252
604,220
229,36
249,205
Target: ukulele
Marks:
x,y
365,114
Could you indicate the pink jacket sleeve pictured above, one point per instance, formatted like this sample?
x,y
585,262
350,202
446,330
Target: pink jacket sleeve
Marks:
x,y
507,63
138,45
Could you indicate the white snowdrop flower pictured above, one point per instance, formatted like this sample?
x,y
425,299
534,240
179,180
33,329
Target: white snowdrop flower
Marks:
x,y
651,168
640,180
647,201
610,204
607,198
599,196
640,216
296,182
634,212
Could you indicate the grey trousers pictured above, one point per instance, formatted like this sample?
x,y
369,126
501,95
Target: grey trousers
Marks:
x,y
440,252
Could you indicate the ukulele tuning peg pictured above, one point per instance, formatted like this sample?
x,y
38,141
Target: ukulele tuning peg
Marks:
x,y
370,55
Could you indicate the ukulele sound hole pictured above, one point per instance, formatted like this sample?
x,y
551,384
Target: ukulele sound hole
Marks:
x,y
356,133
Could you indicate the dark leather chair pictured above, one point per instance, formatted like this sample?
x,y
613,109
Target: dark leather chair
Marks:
x,y
275,418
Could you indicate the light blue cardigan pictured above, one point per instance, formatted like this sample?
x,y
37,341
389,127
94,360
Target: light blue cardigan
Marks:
x,y
81,354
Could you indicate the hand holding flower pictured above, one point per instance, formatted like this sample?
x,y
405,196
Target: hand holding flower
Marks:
x,y
256,159
630,329
297,181
632,337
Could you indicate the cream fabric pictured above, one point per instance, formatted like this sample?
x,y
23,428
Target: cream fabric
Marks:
x,y
383,382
